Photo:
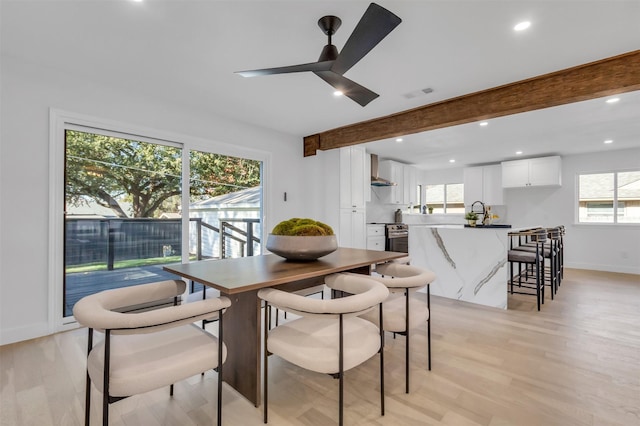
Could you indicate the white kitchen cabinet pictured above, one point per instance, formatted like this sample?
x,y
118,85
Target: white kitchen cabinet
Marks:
x,y
410,182
405,177
353,182
352,231
483,184
375,237
393,171
545,171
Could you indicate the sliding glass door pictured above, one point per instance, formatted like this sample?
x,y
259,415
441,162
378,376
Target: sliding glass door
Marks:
x,y
123,219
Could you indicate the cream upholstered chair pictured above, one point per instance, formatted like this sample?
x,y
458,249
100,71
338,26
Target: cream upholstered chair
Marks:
x,y
147,350
329,337
402,312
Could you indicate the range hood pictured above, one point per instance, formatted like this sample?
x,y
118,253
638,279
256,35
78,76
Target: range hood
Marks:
x,y
375,179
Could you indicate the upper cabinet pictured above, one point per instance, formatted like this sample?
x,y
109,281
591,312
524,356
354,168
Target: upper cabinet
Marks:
x,y
405,177
354,181
545,171
483,184
409,185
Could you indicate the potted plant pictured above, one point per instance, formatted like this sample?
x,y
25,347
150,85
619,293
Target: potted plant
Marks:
x,y
302,239
471,217
430,208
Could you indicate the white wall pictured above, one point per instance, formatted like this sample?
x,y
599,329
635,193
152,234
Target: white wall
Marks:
x,y
596,247
28,93
442,176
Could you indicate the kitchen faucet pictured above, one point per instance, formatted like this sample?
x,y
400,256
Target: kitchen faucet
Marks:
x,y
484,210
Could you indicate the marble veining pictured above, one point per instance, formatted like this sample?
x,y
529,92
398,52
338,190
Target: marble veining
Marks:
x,y
470,264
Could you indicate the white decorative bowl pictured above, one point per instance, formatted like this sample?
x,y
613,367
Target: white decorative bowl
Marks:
x,y
301,248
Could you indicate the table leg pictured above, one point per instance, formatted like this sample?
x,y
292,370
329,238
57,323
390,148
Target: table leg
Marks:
x,y
242,337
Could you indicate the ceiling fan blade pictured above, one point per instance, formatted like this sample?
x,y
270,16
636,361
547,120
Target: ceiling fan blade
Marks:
x,y
349,88
313,66
376,23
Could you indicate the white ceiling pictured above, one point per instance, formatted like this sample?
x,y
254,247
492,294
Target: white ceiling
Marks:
x,y
186,52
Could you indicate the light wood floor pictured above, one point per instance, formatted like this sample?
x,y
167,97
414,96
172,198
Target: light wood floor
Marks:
x,y
577,362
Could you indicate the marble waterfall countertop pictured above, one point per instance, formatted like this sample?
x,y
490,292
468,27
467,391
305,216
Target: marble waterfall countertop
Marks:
x,y
470,263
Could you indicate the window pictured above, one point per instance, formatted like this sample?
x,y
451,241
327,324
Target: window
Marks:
x,y
445,198
612,197
124,201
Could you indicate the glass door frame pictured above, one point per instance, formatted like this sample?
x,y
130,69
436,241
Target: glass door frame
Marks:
x,y
60,121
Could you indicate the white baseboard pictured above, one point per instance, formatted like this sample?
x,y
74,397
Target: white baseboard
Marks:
x,y
605,268
18,334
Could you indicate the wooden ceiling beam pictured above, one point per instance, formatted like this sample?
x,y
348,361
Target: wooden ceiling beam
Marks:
x,y
609,76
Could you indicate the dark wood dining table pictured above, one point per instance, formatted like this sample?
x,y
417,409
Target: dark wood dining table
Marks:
x,y
239,279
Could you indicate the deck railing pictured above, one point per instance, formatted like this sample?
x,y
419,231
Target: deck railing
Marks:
x,y
108,240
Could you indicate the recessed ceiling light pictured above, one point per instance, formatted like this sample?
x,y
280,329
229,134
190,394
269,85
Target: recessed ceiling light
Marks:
x,y
522,26
399,140
518,152
484,123
608,141
612,100
452,161
337,93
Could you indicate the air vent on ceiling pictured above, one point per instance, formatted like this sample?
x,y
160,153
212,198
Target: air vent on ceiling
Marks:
x,y
418,93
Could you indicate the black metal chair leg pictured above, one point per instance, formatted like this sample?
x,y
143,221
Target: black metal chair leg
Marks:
x,y
381,363
341,372
265,363
220,348
105,380
406,343
429,325
87,402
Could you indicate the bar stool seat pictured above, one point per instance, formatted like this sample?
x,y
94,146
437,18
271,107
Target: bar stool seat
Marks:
x,y
532,259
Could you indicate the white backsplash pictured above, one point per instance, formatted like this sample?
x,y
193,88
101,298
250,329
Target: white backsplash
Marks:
x,y
385,213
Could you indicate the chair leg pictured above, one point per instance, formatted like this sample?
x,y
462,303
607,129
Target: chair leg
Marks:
x,y
220,362
87,402
341,373
381,363
265,363
429,325
406,342
105,382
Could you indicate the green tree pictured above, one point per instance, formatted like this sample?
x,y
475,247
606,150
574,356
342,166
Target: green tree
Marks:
x,y
112,170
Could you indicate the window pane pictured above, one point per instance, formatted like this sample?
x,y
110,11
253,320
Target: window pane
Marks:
x,y
455,198
595,198
629,197
435,197
122,221
225,197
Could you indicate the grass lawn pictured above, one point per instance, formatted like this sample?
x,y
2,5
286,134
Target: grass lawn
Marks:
x,y
129,263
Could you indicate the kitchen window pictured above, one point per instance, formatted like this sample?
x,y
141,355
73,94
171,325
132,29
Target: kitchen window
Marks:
x,y
611,198
445,198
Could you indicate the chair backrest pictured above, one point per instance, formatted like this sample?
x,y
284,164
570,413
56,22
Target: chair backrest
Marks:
x,y
365,294
97,310
404,276
539,235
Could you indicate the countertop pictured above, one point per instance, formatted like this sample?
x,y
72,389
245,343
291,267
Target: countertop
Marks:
x,y
460,226
495,225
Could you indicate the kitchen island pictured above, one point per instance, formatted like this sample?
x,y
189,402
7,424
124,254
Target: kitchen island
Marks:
x,y
470,262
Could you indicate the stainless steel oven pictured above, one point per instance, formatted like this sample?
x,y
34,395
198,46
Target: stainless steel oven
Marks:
x,y
397,237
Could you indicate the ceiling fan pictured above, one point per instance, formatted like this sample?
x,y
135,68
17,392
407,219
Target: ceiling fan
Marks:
x,y
376,23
